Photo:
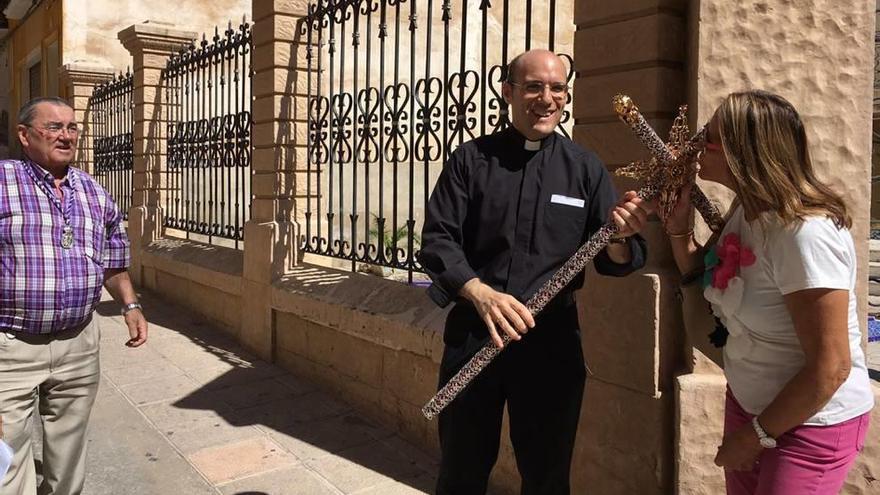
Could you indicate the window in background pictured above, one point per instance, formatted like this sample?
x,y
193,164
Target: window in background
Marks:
x,y
34,80
52,69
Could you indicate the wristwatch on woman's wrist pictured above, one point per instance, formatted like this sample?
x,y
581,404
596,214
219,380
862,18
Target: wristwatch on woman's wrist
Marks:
x,y
766,440
130,306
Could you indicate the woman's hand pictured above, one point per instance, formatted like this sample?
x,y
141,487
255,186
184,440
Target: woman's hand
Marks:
x,y
740,450
679,221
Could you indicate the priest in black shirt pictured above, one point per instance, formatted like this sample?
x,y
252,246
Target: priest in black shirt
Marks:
x,y
507,211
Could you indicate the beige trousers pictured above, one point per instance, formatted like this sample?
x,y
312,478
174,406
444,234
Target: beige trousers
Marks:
x,y
57,377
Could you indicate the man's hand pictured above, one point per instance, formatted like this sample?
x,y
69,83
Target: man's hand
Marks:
x,y
740,450
498,310
119,286
630,214
137,328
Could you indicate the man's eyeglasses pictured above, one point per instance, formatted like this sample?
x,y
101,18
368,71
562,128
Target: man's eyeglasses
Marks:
x,y
535,88
55,130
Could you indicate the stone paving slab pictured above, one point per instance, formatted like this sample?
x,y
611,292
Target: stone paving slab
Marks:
x,y
147,371
127,456
264,391
295,480
364,467
310,440
192,412
160,389
226,374
232,461
416,486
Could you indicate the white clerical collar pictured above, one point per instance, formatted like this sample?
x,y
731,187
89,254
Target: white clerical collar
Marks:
x,y
532,145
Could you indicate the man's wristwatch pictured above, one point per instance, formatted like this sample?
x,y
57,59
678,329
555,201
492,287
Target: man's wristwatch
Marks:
x,y
130,306
766,440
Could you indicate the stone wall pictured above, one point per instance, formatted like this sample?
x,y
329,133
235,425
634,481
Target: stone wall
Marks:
x,y
204,278
819,55
376,342
631,326
90,26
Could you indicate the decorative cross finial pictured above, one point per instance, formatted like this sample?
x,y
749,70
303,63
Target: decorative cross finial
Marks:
x,y
669,168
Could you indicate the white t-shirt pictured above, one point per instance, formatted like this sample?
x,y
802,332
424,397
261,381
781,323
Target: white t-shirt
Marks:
x,y
763,351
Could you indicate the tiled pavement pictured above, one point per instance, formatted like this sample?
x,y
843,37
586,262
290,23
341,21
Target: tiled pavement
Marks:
x,y
192,413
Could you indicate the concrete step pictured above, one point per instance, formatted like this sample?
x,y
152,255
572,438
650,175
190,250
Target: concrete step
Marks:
x,y
874,270
873,288
874,247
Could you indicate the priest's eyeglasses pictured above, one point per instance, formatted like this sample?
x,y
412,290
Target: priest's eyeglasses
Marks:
x,y
535,88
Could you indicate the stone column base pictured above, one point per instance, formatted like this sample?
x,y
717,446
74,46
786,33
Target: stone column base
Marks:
x,y
144,227
699,400
269,251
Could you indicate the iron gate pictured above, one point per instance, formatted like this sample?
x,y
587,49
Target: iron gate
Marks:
x,y
393,87
110,112
207,92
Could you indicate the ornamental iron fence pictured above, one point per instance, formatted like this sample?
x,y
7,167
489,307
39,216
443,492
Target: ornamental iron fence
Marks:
x,y
208,102
110,113
393,87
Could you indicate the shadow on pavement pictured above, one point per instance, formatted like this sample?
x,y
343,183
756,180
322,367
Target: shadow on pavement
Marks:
x,y
323,432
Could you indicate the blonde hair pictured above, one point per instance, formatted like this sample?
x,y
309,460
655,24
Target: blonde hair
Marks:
x,y
766,148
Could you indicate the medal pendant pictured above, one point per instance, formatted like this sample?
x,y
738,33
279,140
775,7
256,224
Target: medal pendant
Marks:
x,y
67,238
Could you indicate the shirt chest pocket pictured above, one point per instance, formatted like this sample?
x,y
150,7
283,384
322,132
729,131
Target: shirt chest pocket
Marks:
x,y
92,240
564,226
12,228
94,245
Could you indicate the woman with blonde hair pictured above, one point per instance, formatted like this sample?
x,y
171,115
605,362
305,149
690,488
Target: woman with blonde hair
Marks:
x,y
781,280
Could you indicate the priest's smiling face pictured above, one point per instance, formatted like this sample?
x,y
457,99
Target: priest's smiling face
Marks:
x,y
536,92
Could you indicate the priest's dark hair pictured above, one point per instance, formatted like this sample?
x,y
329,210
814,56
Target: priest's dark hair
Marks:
x,y
513,67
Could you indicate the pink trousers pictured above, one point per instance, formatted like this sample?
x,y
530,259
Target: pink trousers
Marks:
x,y
809,460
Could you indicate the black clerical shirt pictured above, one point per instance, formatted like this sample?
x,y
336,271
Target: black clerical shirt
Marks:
x,y
511,215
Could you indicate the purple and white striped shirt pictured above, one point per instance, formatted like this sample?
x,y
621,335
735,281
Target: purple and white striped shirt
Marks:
x,y
45,288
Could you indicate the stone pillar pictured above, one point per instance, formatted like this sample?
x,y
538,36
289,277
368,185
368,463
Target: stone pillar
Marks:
x,y
271,235
78,81
818,54
150,45
633,342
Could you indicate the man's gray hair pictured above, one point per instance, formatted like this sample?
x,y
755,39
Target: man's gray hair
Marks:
x,y
29,109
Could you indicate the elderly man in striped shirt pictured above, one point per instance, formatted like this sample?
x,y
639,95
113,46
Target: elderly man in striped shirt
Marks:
x,y
61,239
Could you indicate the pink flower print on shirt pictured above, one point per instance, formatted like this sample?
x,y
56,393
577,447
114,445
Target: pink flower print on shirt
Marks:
x,y
724,260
